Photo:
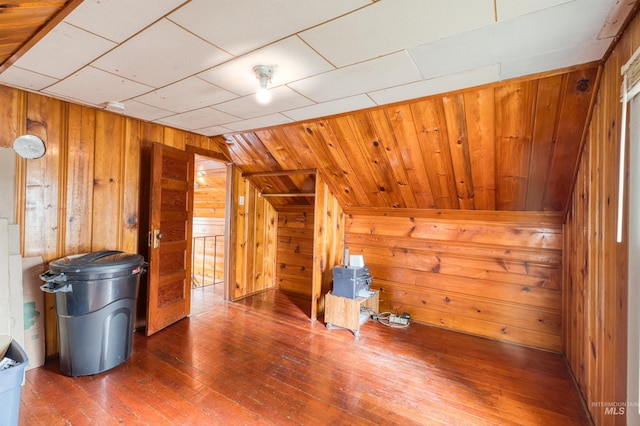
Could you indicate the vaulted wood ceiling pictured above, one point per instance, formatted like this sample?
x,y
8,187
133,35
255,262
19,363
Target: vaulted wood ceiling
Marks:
x,y
510,146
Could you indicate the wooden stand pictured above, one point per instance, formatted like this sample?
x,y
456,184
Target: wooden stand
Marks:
x,y
345,312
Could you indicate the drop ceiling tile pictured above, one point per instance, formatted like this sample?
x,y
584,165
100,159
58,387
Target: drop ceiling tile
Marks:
x,y
459,53
507,9
389,26
18,77
111,24
282,99
188,94
204,117
161,54
560,58
387,71
447,83
241,26
213,131
143,111
565,25
324,109
93,86
258,123
291,59
512,40
63,50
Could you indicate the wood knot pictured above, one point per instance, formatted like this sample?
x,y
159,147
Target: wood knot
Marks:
x,y
582,85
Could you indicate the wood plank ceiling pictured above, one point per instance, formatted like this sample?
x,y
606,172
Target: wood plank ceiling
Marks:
x,y
22,20
511,146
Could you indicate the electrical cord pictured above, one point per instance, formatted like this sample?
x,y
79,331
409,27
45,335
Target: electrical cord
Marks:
x,y
388,319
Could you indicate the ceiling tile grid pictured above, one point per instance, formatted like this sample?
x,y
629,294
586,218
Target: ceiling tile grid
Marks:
x,y
196,119
160,55
446,83
290,58
91,85
26,79
241,26
186,95
387,71
352,103
112,25
63,51
358,37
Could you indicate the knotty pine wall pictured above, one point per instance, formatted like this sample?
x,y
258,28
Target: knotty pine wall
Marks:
x,y
253,234
294,257
82,196
492,274
596,304
310,243
329,227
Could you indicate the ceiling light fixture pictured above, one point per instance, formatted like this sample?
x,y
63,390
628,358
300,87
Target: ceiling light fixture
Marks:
x,y
263,73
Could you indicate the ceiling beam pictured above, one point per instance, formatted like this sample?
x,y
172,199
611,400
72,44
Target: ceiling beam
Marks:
x,y
288,194
281,173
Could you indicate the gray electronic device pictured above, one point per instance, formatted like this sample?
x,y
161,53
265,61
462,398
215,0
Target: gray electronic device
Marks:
x,y
351,282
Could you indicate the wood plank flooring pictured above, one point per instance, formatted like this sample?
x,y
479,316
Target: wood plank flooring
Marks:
x,y
262,361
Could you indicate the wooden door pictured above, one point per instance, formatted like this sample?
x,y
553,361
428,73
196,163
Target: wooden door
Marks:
x,y
170,216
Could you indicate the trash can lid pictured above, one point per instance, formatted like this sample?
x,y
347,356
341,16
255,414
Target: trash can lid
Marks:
x,y
97,263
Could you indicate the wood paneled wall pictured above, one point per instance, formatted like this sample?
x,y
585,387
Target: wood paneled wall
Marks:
x,y
596,303
310,243
328,242
294,257
82,196
497,275
254,236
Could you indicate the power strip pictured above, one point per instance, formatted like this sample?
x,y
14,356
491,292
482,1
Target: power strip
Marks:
x,y
394,319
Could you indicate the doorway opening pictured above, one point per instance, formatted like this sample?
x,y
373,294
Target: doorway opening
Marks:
x,y
209,236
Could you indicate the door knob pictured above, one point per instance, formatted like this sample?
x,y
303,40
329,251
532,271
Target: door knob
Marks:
x,y
157,236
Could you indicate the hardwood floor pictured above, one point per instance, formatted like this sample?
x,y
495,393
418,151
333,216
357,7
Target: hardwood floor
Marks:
x,y
262,361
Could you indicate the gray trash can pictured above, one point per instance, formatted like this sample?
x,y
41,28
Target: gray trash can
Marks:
x,y
11,385
95,297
